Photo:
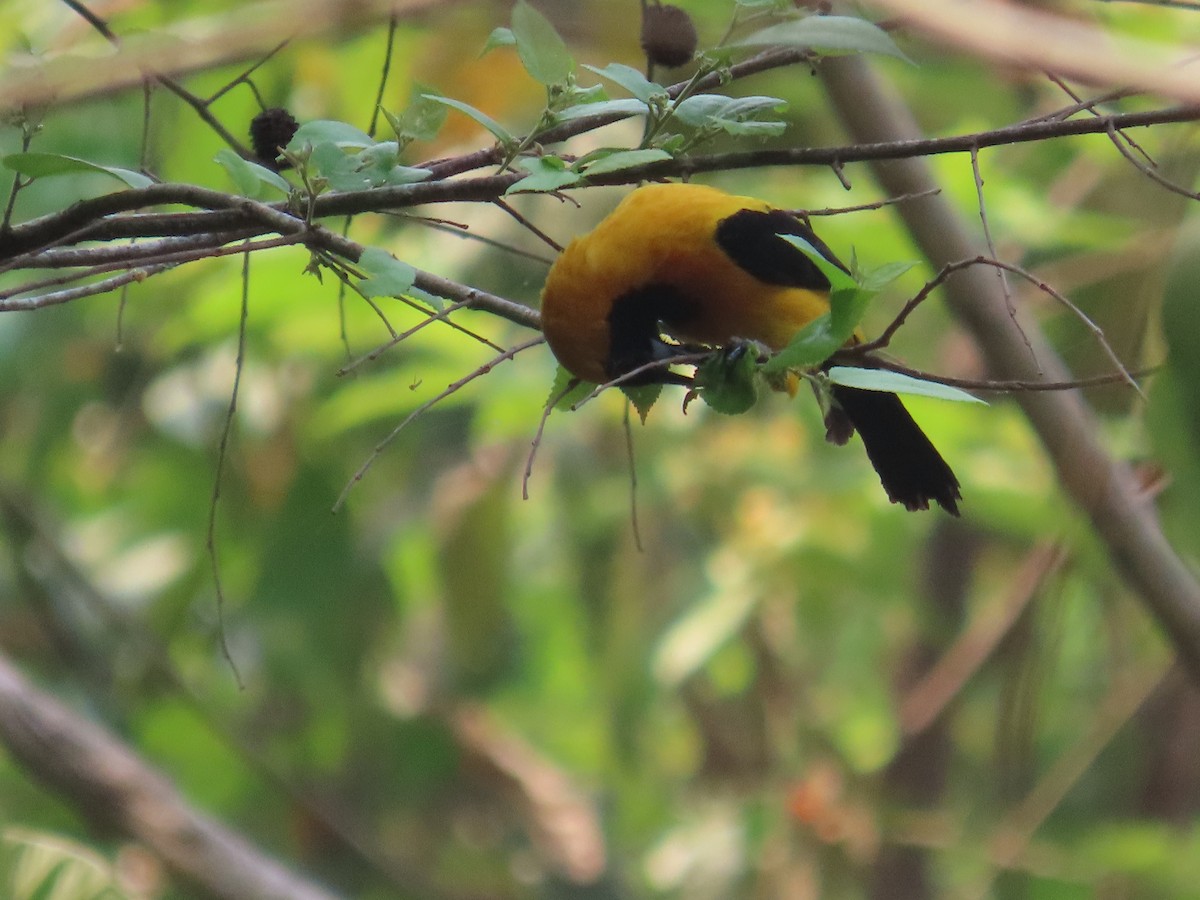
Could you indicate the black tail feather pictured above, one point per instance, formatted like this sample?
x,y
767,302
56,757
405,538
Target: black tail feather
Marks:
x,y
911,469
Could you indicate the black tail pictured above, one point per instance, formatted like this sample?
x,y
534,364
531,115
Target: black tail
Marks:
x,y
911,469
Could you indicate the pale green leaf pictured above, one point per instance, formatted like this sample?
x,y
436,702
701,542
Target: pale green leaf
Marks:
x,y
543,53
632,80
46,165
827,34
896,383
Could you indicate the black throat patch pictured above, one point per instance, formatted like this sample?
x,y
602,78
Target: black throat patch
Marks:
x,y
751,239
635,325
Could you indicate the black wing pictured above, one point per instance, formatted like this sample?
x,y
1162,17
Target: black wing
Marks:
x,y
751,239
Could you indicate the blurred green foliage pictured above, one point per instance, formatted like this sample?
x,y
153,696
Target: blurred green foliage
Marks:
x,y
453,692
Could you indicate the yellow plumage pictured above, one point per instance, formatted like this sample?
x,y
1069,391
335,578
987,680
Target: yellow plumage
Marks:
x,y
665,234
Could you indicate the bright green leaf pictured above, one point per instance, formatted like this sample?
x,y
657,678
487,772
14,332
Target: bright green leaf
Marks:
x,y
386,275
811,346
827,34
543,53
896,383
839,278
46,165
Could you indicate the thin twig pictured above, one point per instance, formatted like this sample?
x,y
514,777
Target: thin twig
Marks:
x,y
450,389
1005,290
210,541
627,427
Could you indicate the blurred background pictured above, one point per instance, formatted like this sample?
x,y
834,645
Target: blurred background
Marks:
x,y
791,689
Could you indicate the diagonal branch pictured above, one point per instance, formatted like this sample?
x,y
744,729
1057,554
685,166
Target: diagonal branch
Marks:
x,y
115,789
1104,488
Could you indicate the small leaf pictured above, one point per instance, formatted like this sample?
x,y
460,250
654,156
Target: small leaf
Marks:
x,y
542,51
386,275
46,165
564,397
421,120
248,177
500,37
828,34
632,80
625,159
896,383
643,397
811,346
738,116
328,131
625,106
878,279
727,380
839,278
498,130
546,173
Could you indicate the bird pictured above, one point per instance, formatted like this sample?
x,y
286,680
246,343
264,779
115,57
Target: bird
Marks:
x,y
685,263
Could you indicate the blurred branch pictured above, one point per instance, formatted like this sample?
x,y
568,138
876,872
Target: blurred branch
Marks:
x,y
1019,35
113,788
560,819
1104,489
928,698
243,32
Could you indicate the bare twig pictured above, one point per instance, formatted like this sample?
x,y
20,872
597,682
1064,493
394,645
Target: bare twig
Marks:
x,y
450,389
210,539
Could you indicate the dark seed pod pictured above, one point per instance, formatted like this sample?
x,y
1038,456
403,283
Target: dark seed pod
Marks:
x,y
271,130
668,35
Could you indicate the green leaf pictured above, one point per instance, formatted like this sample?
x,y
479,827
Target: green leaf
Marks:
x,y
546,173
248,177
811,346
564,397
643,397
46,165
727,380
500,37
328,131
632,80
829,35
877,279
386,275
739,116
379,165
421,120
542,51
839,278
629,106
498,130
896,383
625,159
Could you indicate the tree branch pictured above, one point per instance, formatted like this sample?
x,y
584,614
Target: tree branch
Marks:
x,y
114,789
1102,487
